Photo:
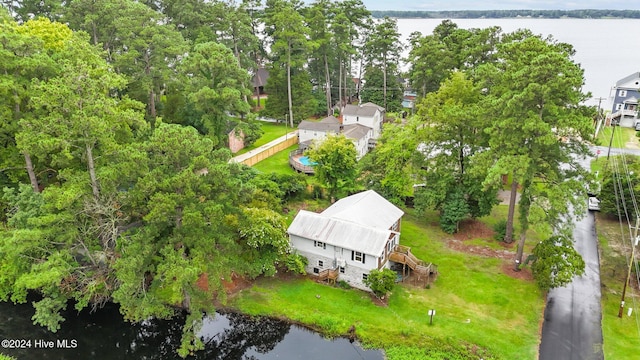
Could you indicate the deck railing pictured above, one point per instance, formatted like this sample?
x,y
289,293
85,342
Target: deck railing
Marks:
x,y
402,254
327,274
297,165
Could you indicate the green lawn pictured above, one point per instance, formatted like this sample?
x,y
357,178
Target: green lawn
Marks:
x,y
278,163
621,136
480,311
620,334
272,131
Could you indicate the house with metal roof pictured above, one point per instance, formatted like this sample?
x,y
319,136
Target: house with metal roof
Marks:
x,y
353,236
624,100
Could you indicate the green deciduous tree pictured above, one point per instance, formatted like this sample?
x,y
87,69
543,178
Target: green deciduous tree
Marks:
x,y
265,233
381,282
336,163
452,143
389,168
556,263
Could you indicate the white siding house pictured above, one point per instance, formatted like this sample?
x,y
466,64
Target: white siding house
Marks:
x,y
359,134
353,236
368,114
310,130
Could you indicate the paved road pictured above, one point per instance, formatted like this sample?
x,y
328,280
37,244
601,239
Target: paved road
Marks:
x,y
572,328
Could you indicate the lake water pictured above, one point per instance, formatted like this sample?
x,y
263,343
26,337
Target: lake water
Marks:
x,y
104,335
607,49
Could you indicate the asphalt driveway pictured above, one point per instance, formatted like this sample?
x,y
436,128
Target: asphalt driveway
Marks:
x,y
572,319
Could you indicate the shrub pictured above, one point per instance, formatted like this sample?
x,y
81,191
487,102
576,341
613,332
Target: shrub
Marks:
x,y
296,263
500,229
381,282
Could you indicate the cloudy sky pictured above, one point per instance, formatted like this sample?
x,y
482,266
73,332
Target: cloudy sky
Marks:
x,y
435,5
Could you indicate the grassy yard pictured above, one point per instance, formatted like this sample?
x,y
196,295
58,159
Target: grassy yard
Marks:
x,y
480,311
272,131
621,335
278,163
621,136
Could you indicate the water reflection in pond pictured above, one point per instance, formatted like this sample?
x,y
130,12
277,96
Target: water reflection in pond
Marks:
x,y
104,335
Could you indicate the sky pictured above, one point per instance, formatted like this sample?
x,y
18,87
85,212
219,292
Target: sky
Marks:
x,y
438,5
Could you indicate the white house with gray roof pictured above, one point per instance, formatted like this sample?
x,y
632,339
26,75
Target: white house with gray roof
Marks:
x,y
367,114
350,238
309,131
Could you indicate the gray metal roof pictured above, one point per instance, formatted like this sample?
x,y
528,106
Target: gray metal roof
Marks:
x,y
341,233
355,131
366,208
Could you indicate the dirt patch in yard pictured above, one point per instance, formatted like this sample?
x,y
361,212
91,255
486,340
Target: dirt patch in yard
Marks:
x,y
505,254
523,274
474,229
236,284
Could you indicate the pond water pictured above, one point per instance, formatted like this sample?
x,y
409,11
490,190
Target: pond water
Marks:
x,y
105,335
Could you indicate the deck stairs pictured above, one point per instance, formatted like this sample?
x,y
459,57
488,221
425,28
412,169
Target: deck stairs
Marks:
x,y
402,254
329,275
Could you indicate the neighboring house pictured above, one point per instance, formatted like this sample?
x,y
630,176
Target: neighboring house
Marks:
x,y
368,114
308,131
626,92
317,130
350,238
260,80
409,100
360,135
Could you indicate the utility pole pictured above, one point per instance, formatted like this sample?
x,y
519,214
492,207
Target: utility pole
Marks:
x,y
598,117
634,240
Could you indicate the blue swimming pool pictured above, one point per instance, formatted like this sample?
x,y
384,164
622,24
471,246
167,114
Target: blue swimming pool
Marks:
x,y
306,162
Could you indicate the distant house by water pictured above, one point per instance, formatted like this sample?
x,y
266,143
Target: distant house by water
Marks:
x,y
624,101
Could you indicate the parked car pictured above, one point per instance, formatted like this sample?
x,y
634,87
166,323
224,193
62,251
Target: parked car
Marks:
x,y
593,204
637,126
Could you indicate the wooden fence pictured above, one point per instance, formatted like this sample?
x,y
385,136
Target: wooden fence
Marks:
x,y
265,151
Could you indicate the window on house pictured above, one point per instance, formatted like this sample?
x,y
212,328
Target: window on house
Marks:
x,y
365,276
341,269
622,93
316,270
320,263
320,244
357,256
618,106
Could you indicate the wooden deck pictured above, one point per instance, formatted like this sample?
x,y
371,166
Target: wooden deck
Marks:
x,y
294,162
329,275
423,271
